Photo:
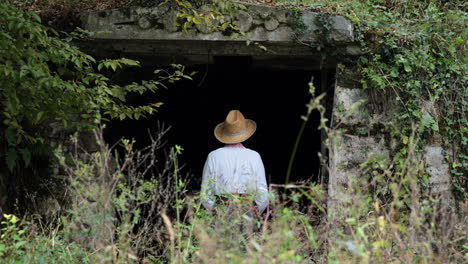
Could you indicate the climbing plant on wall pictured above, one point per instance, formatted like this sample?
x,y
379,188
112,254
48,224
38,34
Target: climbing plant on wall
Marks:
x,y
415,50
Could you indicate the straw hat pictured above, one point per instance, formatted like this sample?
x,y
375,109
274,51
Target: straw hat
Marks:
x,y
235,129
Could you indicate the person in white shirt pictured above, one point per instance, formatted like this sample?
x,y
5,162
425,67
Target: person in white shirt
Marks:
x,y
233,170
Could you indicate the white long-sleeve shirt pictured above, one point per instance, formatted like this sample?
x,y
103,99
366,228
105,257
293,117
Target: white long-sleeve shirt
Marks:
x,y
234,169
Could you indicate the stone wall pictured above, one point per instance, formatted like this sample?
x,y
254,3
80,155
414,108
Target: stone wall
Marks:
x,y
153,31
365,115
261,23
358,143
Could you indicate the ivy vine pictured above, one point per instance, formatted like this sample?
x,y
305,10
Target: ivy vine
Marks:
x,y
414,50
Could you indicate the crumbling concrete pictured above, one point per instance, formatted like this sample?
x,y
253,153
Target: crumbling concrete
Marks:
x,y
157,27
436,166
364,116
261,23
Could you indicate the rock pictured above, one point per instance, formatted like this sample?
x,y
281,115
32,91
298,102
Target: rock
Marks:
x,y
342,29
345,107
261,11
354,106
347,153
271,24
169,21
243,21
207,29
281,15
203,28
437,168
257,22
308,18
353,50
350,151
160,11
145,22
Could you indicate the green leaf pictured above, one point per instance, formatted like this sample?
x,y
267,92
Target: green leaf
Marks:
x,y
36,17
137,116
407,67
114,65
38,116
10,137
26,156
11,158
458,41
19,244
130,62
197,20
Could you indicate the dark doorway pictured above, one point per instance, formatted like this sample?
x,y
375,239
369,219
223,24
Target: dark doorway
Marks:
x,y
275,99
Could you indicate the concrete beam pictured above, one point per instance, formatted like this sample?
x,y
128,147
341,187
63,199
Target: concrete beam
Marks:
x,y
153,30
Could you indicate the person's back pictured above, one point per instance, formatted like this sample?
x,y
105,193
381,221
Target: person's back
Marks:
x,y
234,169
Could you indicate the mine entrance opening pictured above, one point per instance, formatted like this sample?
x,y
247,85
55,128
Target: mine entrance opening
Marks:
x,y
275,98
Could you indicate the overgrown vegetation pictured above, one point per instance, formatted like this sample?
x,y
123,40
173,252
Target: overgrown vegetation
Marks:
x,y
46,83
126,210
415,51
135,209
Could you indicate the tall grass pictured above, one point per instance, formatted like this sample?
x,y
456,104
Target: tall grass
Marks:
x,y
128,208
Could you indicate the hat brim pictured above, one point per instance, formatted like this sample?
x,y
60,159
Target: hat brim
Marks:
x,y
228,139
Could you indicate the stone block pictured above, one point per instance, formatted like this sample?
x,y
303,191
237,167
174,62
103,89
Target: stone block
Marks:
x,y
169,21
349,151
346,154
348,106
271,24
342,29
261,12
353,50
281,15
243,21
145,22
358,107
279,34
437,168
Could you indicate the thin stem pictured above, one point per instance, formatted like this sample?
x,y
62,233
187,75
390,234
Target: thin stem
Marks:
x,y
296,145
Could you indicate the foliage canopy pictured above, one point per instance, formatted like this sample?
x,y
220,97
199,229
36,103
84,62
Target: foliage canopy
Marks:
x,y
45,78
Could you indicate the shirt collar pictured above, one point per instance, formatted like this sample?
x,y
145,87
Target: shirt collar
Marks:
x,y
238,145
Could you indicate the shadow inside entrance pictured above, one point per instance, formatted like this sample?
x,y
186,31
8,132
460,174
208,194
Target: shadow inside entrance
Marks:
x,y
274,99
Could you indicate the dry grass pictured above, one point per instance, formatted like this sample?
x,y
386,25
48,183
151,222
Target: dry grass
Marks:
x,y
121,215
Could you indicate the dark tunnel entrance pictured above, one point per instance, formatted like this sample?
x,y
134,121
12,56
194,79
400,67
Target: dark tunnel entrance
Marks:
x,y
274,98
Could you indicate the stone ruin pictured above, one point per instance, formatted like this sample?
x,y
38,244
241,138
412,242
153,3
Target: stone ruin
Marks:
x,y
150,34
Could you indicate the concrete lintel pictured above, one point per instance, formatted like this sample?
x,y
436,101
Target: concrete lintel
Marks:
x,y
158,52
151,26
